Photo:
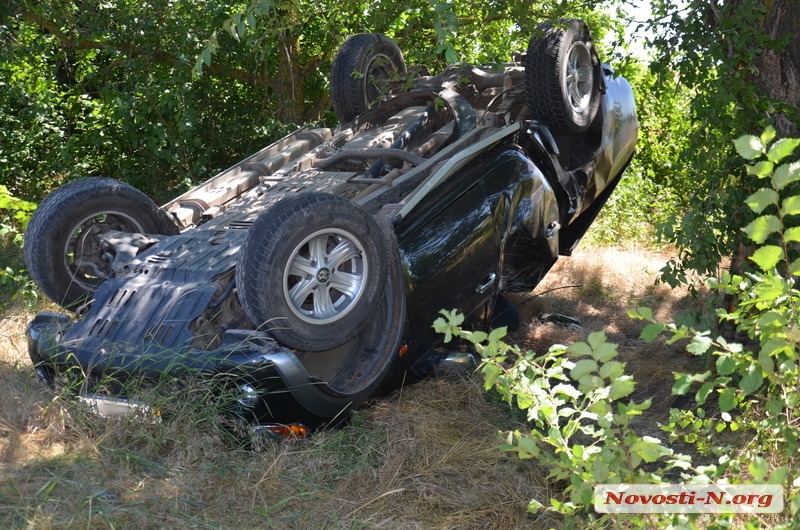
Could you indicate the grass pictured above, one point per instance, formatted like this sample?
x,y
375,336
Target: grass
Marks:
x,y
424,457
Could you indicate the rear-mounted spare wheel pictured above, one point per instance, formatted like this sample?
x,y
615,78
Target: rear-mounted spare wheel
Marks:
x,y
312,270
362,72
562,77
63,250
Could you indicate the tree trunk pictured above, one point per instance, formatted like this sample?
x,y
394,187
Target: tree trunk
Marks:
x,y
780,71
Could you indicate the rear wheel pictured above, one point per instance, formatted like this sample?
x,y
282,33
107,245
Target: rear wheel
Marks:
x,y
361,73
63,250
312,271
562,79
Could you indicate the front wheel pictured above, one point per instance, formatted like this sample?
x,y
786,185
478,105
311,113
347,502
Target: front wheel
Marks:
x,y
312,271
63,250
562,78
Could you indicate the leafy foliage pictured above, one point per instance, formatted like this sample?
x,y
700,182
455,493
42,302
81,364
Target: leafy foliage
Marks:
x,y
14,216
105,89
709,53
114,89
754,386
581,426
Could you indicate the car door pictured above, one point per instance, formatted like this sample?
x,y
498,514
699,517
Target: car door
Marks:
x,y
449,251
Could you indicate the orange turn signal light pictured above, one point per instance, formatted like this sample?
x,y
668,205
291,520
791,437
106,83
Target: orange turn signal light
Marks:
x,y
290,431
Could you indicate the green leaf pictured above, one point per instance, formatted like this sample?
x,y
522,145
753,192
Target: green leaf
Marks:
x,y
704,391
794,267
641,313
649,448
582,368
612,370
792,234
758,468
791,205
651,331
768,134
774,407
778,476
748,146
682,384
566,390
491,372
775,345
596,339
699,344
727,399
765,362
759,200
621,387
783,148
206,56
476,337
605,352
725,365
752,380
524,401
767,257
526,447
761,169
785,174
761,228
580,349
449,52
497,334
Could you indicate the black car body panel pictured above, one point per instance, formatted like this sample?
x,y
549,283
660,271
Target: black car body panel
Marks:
x,y
488,212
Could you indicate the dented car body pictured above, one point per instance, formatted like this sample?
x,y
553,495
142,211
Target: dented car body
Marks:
x,y
307,277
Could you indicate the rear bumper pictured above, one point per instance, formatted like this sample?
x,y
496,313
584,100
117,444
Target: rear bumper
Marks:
x,y
285,391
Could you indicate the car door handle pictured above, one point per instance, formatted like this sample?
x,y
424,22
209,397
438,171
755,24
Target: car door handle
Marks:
x,y
551,230
487,282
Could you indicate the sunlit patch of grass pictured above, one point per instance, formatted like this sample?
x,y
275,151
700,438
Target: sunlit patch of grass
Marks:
x,y
423,457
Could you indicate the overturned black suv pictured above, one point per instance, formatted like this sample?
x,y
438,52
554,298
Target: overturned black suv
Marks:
x,y
308,276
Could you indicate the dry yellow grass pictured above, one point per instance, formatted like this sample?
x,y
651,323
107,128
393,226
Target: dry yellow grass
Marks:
x,y
424,457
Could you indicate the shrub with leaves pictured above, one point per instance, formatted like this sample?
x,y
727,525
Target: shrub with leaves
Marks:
x,y
14,216
581,425
753,387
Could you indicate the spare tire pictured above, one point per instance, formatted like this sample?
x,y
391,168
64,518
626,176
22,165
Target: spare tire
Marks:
x,y
62,247
312,270
562,77
361,72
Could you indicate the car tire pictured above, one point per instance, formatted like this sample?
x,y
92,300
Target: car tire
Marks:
x,y
562,78
360,73
311,271
62,250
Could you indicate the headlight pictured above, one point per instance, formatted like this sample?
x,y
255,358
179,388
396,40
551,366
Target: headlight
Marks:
x,y
248,396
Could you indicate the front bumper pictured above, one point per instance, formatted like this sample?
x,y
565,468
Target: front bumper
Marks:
x,y
285,392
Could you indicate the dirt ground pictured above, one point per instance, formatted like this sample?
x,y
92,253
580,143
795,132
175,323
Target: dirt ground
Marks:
x,y
597,287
